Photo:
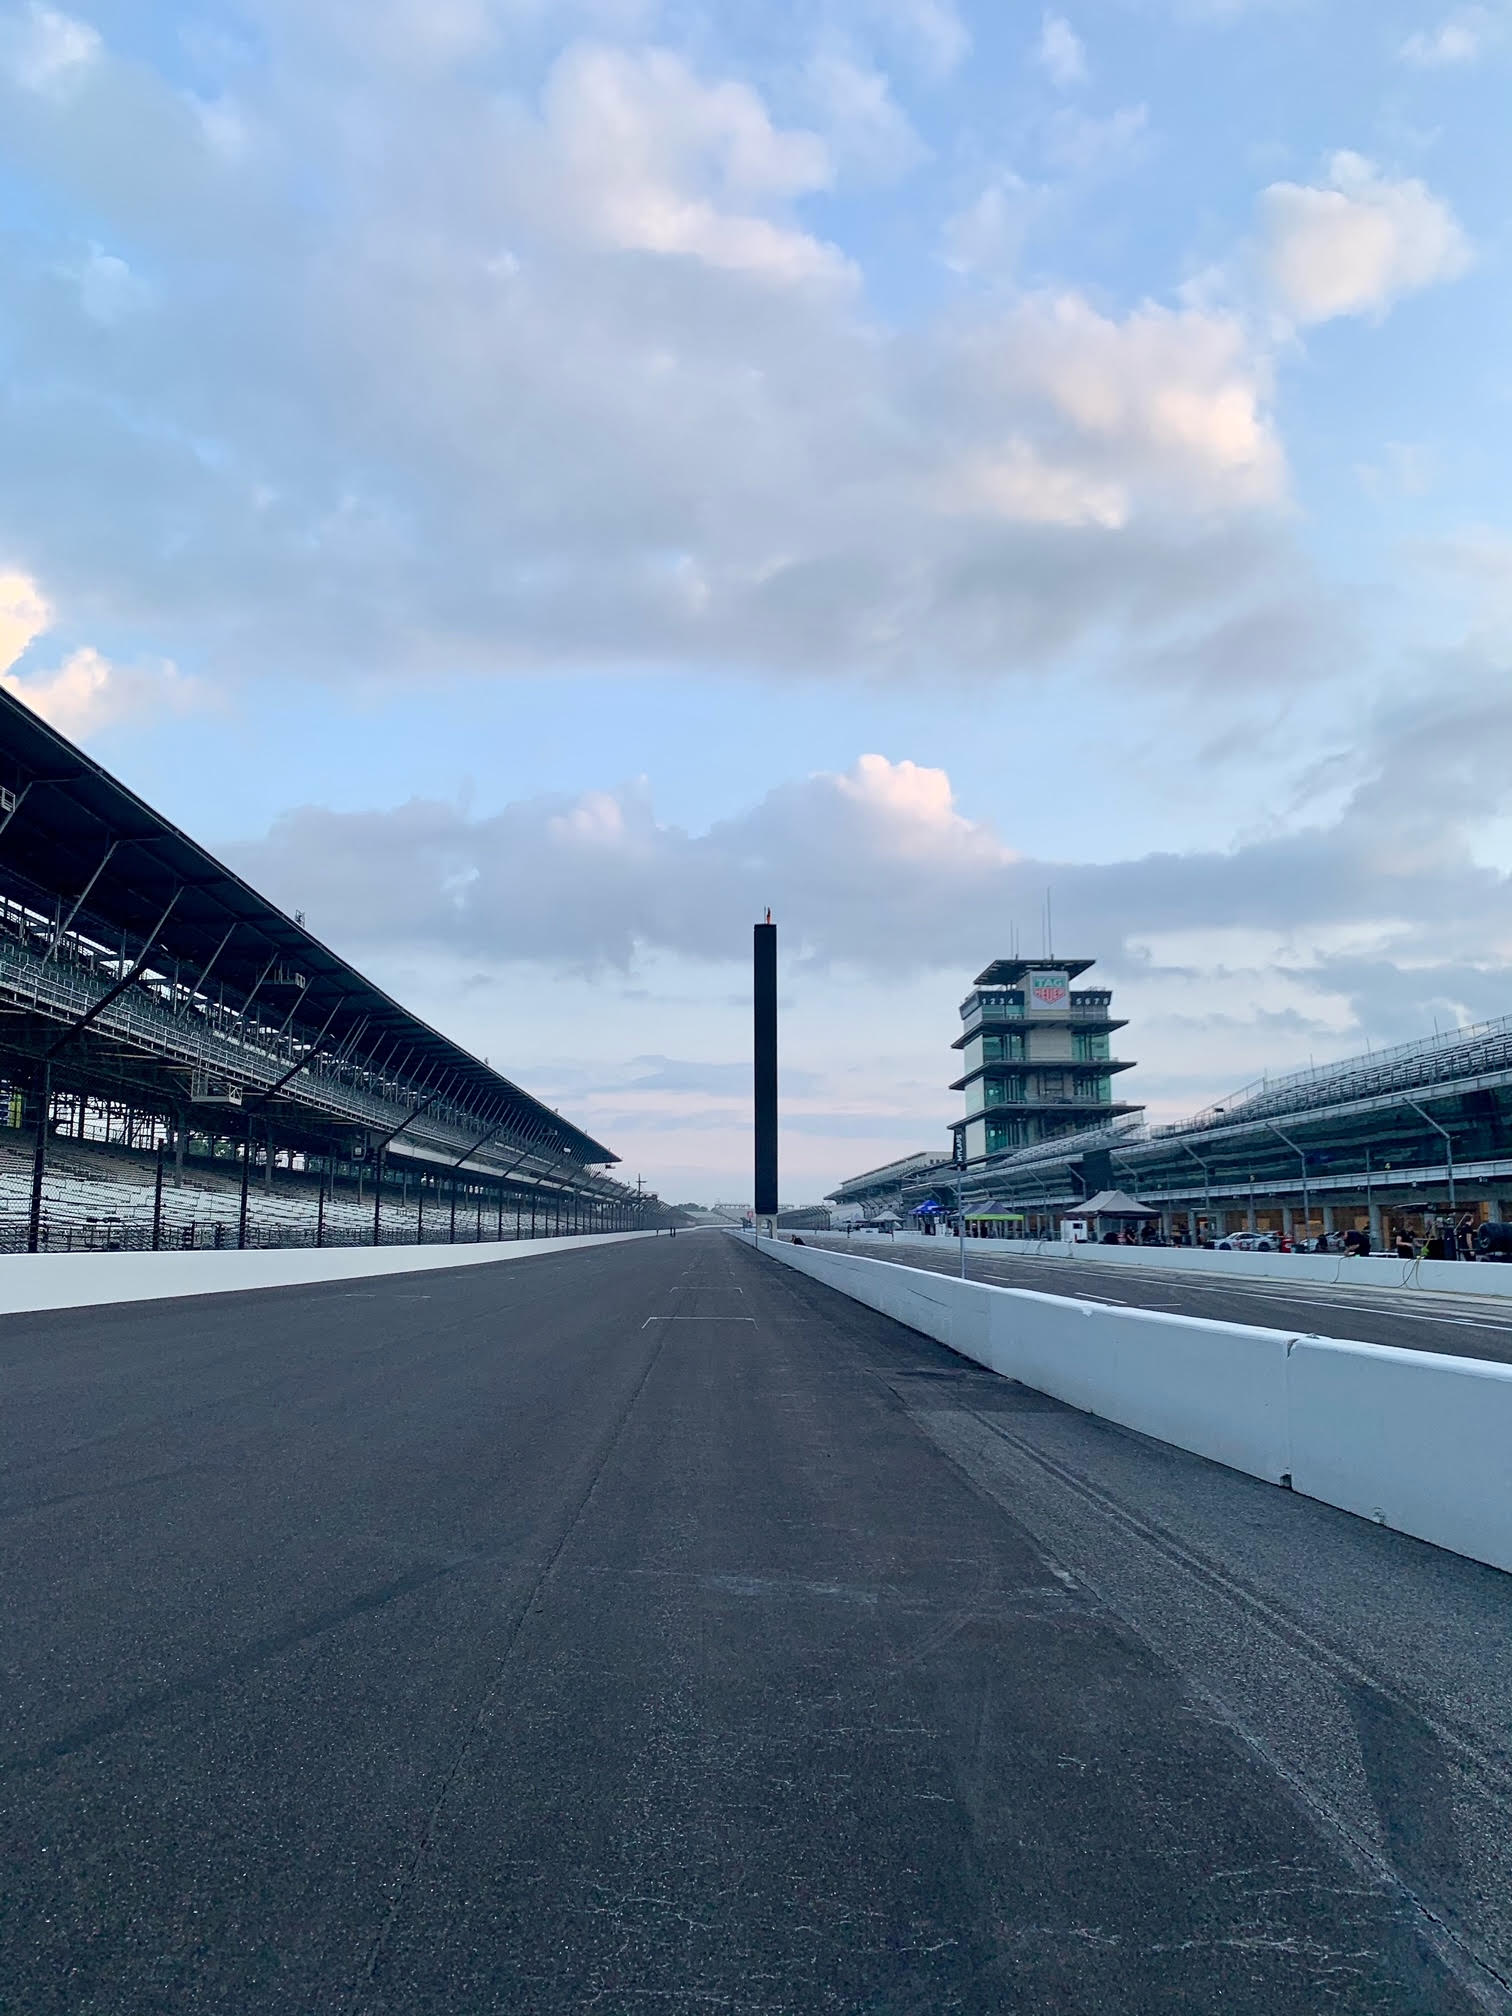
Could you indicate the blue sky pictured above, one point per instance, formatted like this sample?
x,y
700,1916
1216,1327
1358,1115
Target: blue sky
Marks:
x,y
534,482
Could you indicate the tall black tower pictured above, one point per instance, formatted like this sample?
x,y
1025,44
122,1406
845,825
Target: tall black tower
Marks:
x,y
765,994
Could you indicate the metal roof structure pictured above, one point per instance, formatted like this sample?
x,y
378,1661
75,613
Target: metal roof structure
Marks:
x,y
123,934
1009,972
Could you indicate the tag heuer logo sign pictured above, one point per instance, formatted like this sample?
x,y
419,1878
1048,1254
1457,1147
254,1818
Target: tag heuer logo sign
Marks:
x,y
1048,992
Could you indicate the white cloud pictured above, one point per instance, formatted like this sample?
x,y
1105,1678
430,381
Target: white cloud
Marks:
x,y
661,162
1081,144
1357,244
85,692
1405,469
1016,483
1060,53
1359,917
47,51
1461,37
24,615
932,31
108,289
869,135
913,810
74,698
1177,396
573,378
1479,561
1364,920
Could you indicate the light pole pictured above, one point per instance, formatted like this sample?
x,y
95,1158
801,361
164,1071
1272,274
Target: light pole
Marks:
x,y
1207,1184
958,1156
1301,1155
1448,1147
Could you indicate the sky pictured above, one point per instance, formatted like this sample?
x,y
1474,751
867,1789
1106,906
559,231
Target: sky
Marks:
x,y
532,483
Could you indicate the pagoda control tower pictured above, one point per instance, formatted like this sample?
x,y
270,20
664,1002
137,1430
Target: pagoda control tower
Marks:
x,y
1038,1057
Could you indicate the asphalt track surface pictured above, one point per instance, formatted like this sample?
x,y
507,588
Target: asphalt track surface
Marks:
x,y
654,1629
1463,1325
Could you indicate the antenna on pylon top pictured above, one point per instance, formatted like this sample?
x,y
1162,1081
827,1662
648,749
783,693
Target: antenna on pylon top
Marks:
x,y
769,914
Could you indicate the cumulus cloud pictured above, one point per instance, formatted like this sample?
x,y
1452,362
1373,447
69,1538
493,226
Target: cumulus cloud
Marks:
x,y
1356,244
1060,53
46,51
869,134
985,236
569,375
1159,403
932,32
108,289
1461,37
1366,914
85,691
1080,144
878,870
24,614
654,159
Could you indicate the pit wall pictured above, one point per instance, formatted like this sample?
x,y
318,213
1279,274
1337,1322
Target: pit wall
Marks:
x,y
1323,1269
1408,1439
34,1281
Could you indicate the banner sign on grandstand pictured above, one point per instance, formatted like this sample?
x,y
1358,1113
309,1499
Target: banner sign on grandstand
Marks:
x,y
1049,993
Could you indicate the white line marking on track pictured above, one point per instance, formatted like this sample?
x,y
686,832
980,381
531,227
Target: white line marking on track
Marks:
x,y
696,1319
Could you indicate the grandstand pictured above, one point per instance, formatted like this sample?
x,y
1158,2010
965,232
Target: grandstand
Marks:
x,y
182,1063
1390,1142
876,1189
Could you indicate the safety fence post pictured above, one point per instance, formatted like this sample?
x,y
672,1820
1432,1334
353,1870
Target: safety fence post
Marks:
x,y
39,1160
246,1170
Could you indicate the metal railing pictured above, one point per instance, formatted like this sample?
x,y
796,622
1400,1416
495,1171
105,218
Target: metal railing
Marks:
x,y
86,1215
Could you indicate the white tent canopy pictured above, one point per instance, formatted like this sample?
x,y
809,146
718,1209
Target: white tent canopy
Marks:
x,y
1112,1204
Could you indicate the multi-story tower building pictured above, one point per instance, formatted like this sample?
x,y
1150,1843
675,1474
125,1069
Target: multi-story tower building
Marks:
x,y
1038,1057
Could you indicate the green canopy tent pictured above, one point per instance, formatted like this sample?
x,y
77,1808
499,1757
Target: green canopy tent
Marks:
x,y
1003,1217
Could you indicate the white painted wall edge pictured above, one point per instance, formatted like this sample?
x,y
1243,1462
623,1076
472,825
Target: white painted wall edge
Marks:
x,y
1416,1441
36,1281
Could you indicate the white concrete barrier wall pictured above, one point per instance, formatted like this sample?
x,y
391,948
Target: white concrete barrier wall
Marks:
x,y
1413,1441
1379,1270
34,1281
1417,1442
1218,1389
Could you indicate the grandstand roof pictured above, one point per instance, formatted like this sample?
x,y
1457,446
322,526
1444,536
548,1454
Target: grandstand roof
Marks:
x,y
77,832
